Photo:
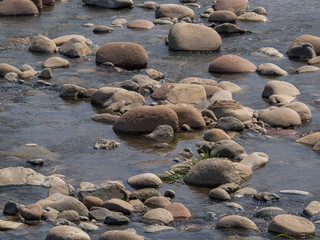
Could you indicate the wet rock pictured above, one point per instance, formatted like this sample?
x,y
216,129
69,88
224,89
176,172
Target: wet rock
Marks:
x,y
17,7
106,144
140,24
252,17
278,99
116,218
279,87
312,209
310,139
48,2
128,85
255,160
62,202
145,119
67,233
182,38
314,61
156,228
235,221
227,148
63,222
63,39
272,52
303,51
269,212
138,206
75,48
215,135
144,194
157,202
105,118
11,208
98,213
91,201
6,68
162,133
295,192
170,193
159,214
50,214
106,191
222,16
154,74
11,77
230,124
229,28
219,194
231,5
69,215
123,235
260,10
230,86
87,227
180,93
316,147
102,29
302,109
149,5
42,44
231,64
127,55
115,98
71,91
307,68
31,212
188,115
291,225
313,40
244,171
178,211
230,187
221,95
145,180
119,22
45,73
266,196
271,69
9,225
173,11
209,114
110,4
212,173
56,62
280,117
200,81
245,191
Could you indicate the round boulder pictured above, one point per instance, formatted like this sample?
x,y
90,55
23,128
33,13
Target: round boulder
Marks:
x,y
219,194
303,51
255,160
279,87
193,37
231,64
56,62
212,172
178,211
227,85
157,202
252,17
118,205
302,109
159,214
313,40
67,233
127,55
145,180
140,24
230,124
173,11
231,5
280,117
235,221
222,16
42,44
17,7
215,135
271,69
7,68
145,119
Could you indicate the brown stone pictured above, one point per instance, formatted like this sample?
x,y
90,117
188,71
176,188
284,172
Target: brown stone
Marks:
x,y
140,24
173,11
231,64
17,7
178,211
92,201
215,135
313,40
310,139
232,5
188,115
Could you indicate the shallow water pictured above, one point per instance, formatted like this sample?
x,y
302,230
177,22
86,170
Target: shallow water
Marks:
x,y
35,114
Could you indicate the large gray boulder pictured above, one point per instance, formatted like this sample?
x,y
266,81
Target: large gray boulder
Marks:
x,y
173,11
212,172
110,3
193,37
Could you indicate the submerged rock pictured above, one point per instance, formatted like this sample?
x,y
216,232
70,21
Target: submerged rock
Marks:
x,y
252,17
229,28
106,144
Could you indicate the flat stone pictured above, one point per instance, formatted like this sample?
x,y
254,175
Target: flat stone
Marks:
x,y
9,225
307,69
266,196
56,62
269,212
156,228
235,221
106,144
144,194
118,205
272,52
312,209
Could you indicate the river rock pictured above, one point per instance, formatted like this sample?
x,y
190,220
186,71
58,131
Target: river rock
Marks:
x,y
127,55
212,172
75,48
303,51
227,148
314,61
307,69
140,24
42,44
231,64
231,5
193,37
11,208
266,196
215,135
145,180
244,171
31,212
279,87
127,84
229,28
119,22
260,10
230,86
110,4
188,115
280,117
291,225
92,201
278,99
11,77
17,7
45,73
159,214
221,95
180,93
222,16
144,194
102,29
148,5
178,211
310,139
271,69
70,215
302,109
312,209
38,4
106,144
116,218
48,2
99,213
316,147
173,11
255,160
87,227
115,98
200,81
235,221
6,68
230,124
162,133
211,90
56,62
9,225
67,233
157,202
63,39
313,40
145,119
252,17
154,74
120,235
272,52
230,187
269,212
245,191
105,118
71,91
219,194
